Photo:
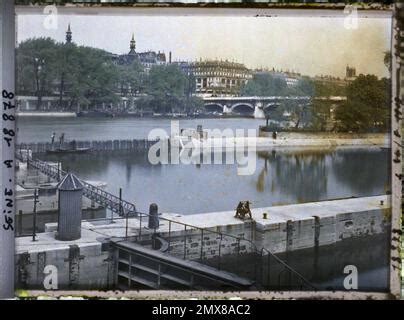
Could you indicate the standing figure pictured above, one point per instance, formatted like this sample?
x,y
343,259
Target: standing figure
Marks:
x,y
62,139
53,138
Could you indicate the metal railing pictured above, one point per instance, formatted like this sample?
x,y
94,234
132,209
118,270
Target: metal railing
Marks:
x,y
222,251
236,254
92,192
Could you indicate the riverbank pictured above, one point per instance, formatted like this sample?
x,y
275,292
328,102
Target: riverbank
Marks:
x,y
290,139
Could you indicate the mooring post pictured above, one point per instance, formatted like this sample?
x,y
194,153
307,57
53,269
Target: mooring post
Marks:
x,y
153,222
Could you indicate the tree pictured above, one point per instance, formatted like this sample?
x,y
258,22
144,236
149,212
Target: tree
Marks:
x,y
94,78
65,68
328,89
36,67
83,75
367,105
167,84
264,85
321,114
300,113
130,78
387,60
304,87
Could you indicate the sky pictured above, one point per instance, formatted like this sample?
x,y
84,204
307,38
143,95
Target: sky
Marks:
x,y
309,45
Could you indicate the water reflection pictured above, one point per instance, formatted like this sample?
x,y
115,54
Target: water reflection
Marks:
x,y
301,173
281,177
358,168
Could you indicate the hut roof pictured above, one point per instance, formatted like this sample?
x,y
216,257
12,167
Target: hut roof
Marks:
x,y
70,183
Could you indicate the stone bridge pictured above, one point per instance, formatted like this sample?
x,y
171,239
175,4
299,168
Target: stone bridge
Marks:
x,y
256,105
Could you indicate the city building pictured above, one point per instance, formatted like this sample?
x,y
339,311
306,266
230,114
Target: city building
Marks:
x,y
219,78
291,78
69,34
350,74
327,79
185,66
148,59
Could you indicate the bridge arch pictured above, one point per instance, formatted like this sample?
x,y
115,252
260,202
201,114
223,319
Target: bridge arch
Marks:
x,y
271,105
212,107
243,107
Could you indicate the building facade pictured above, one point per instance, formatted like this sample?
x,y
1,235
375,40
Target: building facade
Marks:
x,y
147,59
219,78
291,78
350,75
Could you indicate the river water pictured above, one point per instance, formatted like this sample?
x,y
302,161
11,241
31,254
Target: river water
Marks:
x,y
282,176
36,129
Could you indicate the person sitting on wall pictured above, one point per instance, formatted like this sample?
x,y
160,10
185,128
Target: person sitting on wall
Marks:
x,y
274,135
243,210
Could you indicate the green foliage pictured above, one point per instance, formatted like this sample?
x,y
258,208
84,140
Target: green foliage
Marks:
x,y
36,66
367,106
305,87
264,85
328,89
167,80
321,115
131,78
168,86
83,75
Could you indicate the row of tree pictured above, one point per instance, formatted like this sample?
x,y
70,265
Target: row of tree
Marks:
x,y
366,108
265,84
86,76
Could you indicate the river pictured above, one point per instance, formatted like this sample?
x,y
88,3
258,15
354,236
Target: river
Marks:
x,y
282,176
37,129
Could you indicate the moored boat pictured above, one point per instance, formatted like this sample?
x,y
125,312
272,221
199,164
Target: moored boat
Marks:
x,y
68,150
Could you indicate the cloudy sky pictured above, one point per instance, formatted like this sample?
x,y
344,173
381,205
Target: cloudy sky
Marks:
x,y
310,45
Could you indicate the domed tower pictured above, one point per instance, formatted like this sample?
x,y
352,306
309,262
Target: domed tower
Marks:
x,y
68,35
132,45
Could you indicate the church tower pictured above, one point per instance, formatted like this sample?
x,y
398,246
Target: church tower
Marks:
x,y
132,45
68,35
